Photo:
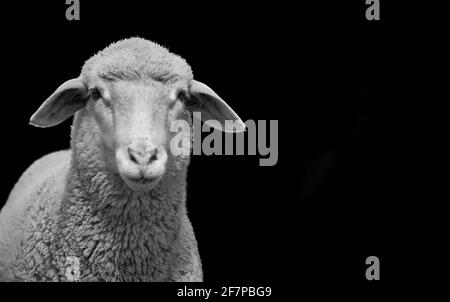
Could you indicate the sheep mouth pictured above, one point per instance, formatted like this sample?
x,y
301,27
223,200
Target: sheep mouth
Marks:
x,y
141,183
143,180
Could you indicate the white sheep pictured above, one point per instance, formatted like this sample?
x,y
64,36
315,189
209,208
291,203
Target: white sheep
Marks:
x,y
112,208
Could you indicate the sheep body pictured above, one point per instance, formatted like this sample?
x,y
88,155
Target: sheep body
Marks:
x,y
31,204
47,220
70,218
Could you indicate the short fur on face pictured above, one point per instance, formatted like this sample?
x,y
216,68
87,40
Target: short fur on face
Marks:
x,y
133,90
138,81
137,59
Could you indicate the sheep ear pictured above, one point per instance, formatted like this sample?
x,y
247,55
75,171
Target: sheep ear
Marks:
x,y
214,108
62,104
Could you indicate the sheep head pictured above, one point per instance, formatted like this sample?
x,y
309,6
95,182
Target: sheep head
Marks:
x,y
133,104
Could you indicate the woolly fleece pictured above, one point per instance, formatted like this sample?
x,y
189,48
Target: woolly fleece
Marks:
x,y
68,208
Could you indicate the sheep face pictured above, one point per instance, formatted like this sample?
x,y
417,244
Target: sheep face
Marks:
x,y
132,92
134,121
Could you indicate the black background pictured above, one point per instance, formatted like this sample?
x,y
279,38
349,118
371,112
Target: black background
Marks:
x,y
363,126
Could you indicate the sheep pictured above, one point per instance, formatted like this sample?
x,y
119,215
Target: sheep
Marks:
x,y
113,206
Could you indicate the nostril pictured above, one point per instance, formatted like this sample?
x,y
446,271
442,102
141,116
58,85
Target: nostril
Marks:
x,y
132,156
153,155
142,157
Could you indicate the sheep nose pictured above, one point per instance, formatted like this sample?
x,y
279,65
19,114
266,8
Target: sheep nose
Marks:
x,y
141,155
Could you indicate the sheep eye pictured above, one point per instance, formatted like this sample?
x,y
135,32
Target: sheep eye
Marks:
x,y
95,93
188,101
181,95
